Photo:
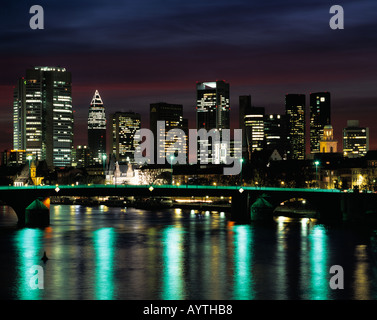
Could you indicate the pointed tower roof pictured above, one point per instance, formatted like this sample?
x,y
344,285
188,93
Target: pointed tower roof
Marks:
x,y
97,100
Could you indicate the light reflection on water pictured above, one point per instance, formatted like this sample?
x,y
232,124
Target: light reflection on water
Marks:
x,y
109,253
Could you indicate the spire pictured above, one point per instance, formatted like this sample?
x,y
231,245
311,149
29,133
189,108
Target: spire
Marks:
x,y
97,100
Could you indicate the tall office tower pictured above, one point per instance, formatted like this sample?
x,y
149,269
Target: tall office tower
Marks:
x,y
123,138
295,113
83,157
320,116
275,133
212,105
254,127
212,112
244,109
42,115
355,140
97,128
172,115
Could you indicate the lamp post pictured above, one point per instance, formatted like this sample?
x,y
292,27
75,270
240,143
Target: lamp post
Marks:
x,y
29,158
316,172
171,167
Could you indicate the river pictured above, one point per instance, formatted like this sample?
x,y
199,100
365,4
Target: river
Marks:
x,y
114,253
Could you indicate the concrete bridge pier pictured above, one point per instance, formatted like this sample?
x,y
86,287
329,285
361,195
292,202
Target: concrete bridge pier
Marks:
x,y
31,213
240,210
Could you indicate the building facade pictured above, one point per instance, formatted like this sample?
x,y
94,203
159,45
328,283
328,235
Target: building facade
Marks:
x,y
124,126
43,116
327,144
320,116
355,140
97,128
295,114
172,116
254,128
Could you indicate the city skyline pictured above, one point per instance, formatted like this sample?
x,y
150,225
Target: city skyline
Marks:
x,y
262,50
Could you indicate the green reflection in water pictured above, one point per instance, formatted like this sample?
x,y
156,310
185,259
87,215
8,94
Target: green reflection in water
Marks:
x,y
172,277
28,246
104,241
319,285
243,252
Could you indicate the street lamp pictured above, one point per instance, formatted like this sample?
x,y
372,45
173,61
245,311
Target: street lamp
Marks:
x,y
171,167
29,158
316,172
241,161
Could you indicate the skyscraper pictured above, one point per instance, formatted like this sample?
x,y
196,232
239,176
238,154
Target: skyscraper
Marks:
x,y
320,116
97,128
295,113
43,116
123,139
355,139
244,109
172,115
254,128
212,105
275,133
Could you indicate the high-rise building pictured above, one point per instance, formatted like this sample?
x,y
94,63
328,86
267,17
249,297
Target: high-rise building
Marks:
x,y
43,116
275,133
123,138
254,127
355,140
97,128
295,113
83,157
320,116
212,112
172,115
212,105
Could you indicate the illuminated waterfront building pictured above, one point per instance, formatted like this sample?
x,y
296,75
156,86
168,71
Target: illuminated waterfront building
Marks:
x,y
295,113
327,144
355,140
43,116
320,116
97,128
123,139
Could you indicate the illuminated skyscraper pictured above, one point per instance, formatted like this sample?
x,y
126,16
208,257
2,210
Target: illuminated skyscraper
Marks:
x,y
123,139
295,113
172,115
212,112
355,140
320,116
212,105
254,127
275,133
97,128
43,116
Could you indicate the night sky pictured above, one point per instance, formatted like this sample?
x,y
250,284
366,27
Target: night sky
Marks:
x,y
140,52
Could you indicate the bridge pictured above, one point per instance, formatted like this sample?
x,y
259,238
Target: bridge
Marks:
x,y
330,204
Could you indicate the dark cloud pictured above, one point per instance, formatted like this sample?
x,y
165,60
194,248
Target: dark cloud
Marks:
x,y
139,52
